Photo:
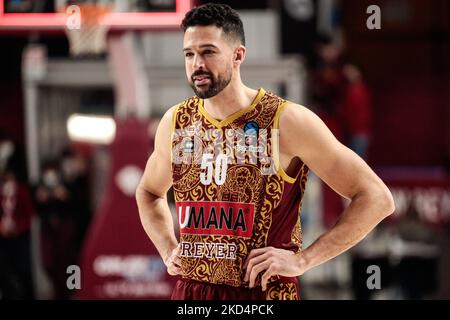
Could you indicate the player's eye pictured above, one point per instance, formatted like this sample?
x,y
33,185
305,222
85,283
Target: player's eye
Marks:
x,y
188,54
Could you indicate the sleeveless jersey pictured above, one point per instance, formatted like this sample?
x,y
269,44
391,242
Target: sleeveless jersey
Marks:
x,y
231,195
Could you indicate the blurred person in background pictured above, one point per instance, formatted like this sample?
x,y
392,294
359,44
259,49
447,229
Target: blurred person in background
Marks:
x,y
75,180
327,84
417,247
16,213
341,97
355,111
58,228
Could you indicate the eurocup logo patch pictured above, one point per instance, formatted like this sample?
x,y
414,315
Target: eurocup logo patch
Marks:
x,y
188,146
251,130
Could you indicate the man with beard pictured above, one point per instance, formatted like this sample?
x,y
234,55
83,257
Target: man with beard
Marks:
x,y
238,164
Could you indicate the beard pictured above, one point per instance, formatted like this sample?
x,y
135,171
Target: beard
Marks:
x,y
215,86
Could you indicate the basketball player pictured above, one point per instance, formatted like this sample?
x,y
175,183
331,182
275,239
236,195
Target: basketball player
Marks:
x,y
238,203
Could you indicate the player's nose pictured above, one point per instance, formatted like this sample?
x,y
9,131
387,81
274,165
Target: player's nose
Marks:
x,y
198,63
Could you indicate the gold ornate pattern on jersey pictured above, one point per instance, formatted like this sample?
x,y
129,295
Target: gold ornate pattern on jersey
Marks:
x,y
244,183
297,233
282,291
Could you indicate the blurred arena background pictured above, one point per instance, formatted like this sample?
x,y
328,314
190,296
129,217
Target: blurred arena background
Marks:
x,y
77,121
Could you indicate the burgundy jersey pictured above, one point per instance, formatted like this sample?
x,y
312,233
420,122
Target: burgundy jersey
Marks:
x,y
231,194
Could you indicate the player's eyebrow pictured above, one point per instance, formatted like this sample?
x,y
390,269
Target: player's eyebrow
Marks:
x,y
203,46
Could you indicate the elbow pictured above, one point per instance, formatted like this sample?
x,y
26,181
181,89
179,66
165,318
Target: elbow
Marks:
x,y
144,197
138,197
141,195
138,193
386,202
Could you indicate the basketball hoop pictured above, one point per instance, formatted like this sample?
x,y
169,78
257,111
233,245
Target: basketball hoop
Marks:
x,y
85,30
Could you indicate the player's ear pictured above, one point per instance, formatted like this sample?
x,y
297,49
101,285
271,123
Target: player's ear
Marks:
x,y
239,55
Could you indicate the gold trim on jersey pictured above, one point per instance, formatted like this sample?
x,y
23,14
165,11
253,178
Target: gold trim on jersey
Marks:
x,y
220,123
172,131
276,146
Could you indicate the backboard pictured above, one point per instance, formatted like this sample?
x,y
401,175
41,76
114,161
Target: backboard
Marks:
x,y
50,15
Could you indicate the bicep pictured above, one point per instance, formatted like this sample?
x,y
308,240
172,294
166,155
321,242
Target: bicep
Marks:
x,y
309,138
157,177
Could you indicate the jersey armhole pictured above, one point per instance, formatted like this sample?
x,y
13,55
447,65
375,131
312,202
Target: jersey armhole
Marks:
x,y
172,131
276,149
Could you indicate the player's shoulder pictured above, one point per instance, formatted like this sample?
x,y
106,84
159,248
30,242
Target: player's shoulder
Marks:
x,y
167,119
170,113
293,114
188,105
297,120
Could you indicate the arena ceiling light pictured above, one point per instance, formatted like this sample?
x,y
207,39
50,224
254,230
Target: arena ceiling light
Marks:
x,y
91,129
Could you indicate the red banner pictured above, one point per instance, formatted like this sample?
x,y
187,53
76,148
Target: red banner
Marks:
x,y
424,191
119,260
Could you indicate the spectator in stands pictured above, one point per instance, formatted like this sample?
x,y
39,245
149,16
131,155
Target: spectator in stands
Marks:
x,y
327,84
75,179
417,271
16,213
57,228
355,111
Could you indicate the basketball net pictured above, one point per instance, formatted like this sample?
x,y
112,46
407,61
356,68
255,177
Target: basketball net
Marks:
x,y
86,32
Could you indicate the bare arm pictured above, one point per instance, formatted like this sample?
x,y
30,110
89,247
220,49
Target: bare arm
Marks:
x,y
347,174
303,134
151,194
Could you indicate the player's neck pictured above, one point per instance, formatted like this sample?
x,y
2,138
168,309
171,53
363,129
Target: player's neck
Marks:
x,y
236,96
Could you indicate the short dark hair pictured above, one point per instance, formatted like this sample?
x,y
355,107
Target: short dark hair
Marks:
x,y
220,15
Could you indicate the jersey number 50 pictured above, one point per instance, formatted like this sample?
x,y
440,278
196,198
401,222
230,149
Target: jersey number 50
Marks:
x,y
221,165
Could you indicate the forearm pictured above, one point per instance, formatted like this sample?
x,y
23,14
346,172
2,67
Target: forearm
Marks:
x,y
357,220
157,222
